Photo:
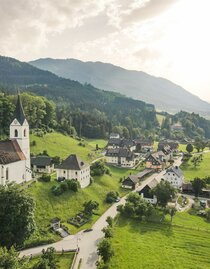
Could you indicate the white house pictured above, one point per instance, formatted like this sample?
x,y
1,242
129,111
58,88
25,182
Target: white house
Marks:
x,y
122,157
15,162
175,176
74,168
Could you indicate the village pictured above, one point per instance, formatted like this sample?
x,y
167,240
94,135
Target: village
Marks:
x,y
146,165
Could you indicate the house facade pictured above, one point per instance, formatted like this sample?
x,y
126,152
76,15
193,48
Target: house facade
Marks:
x,y
42,164
131,182
156,161
174,176
121,157
15,160
146,192
74,168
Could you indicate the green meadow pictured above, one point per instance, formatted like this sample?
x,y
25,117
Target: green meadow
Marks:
x,y
202,170
183,245
69,203
57,144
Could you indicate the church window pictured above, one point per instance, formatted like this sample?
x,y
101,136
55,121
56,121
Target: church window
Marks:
x,y
16,133
24,132
7,174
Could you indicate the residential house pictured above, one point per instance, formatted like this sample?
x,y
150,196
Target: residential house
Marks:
x,y
131,182
121,156
146,192
156,160
177,127
74,168
114,135
174,176
121,143
42,164
144,145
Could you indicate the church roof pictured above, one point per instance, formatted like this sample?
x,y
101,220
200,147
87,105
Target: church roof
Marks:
x,y
19,112
10,152
73,163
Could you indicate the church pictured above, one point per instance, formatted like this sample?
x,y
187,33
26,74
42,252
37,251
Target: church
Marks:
x,y
15,164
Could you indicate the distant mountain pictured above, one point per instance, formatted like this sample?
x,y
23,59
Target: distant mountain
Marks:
x,y
164,94
97,111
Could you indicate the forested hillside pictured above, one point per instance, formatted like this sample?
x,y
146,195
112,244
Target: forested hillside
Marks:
x,y
92,112
164,94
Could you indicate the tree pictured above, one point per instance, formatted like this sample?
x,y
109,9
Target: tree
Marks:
x,y
90,206
16,215
109,220
111,197
107,232
105,250
164,191
8,258
198,184
172,212
189,148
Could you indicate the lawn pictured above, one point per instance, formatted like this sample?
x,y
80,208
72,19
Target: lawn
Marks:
x,y
69,203
185,244
203,170
64,260
61,145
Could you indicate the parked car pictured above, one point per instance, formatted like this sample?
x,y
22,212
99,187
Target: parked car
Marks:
x,y
117,200
87,230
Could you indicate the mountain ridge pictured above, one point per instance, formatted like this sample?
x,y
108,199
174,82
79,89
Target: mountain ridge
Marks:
x,y
164,94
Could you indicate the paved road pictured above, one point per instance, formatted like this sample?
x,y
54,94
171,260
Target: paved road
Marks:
x,y
87,242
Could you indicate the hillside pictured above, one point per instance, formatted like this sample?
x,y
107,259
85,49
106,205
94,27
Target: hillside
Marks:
x,y
164,94
93,112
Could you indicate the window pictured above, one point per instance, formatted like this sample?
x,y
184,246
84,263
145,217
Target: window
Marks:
x,y
24,132
7,174
16,133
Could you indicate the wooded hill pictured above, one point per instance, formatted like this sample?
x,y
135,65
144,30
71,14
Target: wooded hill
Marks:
x,y
93,112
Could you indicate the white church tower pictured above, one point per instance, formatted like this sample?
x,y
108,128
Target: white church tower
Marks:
x,y
19,130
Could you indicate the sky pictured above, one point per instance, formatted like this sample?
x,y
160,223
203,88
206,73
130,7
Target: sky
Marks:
x,y
165,38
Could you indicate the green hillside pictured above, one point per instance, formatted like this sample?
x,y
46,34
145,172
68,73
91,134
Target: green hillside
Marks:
x,y
185,244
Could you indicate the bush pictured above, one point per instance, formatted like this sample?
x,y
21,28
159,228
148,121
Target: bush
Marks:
x,y
64,186
98,169
56,190
111,197
73,185
45,178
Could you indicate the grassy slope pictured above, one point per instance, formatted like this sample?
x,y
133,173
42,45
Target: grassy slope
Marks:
x,y
203,170
58,144
70,203
148,245
160,118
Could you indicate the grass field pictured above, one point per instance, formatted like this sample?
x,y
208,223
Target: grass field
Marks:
x,y
69,203
203,170
64,260
58,144
184,245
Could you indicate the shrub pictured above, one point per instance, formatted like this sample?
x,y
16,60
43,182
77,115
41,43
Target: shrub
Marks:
x,y
73,185
64,186
111,197
45,177
56,190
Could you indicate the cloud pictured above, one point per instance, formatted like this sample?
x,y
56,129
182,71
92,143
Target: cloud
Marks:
x,y
146,54
147,10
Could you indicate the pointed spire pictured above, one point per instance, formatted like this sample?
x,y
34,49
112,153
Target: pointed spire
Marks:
x,y
19,112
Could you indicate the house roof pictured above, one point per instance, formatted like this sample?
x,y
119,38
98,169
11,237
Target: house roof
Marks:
x,y
152,184
19,112
176,170
120,152
41,160
73,163
10,152
55,220
133,178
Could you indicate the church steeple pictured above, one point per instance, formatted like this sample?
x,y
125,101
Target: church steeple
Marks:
x,y
19,114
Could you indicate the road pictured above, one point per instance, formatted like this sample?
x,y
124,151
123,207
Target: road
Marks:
x,y
87,242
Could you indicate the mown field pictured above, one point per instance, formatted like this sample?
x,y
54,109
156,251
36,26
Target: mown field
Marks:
x,y
60,145
203,170
64,260
184,245
69,203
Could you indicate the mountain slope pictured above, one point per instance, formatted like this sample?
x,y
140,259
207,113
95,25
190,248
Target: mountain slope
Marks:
x,y
164,94
93,110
